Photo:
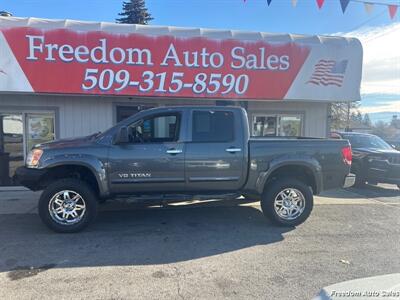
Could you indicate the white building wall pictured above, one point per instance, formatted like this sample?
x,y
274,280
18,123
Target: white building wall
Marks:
x,y
76,115
83,115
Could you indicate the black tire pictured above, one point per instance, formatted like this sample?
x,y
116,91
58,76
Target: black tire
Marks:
x,y
271,192
77,186
360,179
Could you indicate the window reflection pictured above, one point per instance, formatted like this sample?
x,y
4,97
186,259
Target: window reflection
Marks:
x,y
276,125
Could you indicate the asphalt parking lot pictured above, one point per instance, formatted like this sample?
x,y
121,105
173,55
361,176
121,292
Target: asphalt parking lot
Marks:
x,y
220,250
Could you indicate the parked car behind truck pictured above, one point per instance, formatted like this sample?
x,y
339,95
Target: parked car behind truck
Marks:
x,y
180,152
375,161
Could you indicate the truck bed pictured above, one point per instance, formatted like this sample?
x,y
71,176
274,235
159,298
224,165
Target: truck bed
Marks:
x,y
324,154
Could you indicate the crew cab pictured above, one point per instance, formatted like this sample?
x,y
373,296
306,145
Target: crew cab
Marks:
x,y
181,153
375,161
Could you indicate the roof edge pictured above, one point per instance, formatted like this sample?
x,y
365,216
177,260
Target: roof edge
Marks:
x,y
183,32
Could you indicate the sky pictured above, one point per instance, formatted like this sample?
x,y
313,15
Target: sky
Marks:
x,y
379,35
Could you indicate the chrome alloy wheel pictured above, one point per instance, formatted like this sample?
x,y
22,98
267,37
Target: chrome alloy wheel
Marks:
x,y
67,207
289,204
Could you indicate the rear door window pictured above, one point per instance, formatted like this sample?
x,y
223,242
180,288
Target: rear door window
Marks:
x,y
213,126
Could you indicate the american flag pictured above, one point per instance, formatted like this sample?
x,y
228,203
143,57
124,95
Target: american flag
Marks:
x,y
328,72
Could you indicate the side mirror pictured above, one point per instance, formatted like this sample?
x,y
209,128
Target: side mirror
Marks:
x,y
122,136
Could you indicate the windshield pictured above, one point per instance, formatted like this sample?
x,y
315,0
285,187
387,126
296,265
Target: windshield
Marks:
x,y
367,141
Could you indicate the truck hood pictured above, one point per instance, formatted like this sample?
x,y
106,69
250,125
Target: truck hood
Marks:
x,y
68,143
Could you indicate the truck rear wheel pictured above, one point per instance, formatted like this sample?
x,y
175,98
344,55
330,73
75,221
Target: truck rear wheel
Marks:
x,y
287,202
67,205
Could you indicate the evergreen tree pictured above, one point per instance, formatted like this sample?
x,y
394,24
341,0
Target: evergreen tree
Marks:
x,y
353,117
134,12
395,122
359,117
367,120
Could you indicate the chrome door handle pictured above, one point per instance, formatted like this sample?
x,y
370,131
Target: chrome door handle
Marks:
x,y
233,150
174,151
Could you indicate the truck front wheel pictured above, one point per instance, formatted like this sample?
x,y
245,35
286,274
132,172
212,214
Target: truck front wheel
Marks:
x,y
287,202
67,205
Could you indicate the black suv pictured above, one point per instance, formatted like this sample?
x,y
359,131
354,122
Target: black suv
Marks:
x,y
374,160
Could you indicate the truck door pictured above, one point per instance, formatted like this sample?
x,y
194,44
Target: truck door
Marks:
x,y
153,160
214,158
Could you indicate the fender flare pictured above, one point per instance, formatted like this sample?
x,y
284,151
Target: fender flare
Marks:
x,y
96,167
310,163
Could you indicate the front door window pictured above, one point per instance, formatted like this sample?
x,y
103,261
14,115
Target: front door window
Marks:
x,y
159,129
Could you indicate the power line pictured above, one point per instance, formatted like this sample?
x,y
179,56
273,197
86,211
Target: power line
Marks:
x,y
369,20
375,3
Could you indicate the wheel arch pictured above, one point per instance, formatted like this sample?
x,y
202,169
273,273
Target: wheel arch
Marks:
x,y
308,172
79,170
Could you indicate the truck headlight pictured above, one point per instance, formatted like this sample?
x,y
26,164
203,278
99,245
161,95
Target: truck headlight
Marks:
x,y
33,158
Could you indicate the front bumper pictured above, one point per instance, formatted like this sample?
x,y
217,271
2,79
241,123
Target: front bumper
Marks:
x,y
349,180
29,178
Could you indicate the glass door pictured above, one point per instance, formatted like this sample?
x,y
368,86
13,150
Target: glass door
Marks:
x,y
19,132
11,146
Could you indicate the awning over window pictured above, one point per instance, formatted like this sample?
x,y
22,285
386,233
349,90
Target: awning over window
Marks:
x,y
76,57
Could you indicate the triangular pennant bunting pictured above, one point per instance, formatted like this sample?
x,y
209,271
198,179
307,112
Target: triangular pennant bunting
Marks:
x,y
344,4
392,11
369,7
320,3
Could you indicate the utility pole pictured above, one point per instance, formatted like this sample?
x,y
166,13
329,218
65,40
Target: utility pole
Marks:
x,y
348,117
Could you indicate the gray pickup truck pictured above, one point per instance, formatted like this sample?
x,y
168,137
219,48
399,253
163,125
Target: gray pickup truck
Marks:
x,y
179,154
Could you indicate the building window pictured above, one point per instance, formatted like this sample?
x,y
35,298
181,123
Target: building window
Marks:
x,y
39,129
127,111
19,132
277,125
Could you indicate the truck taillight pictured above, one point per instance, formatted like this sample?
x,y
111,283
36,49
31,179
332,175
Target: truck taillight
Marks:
x,y
347,155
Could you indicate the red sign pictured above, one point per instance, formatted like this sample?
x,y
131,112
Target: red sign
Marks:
x,y
95,62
